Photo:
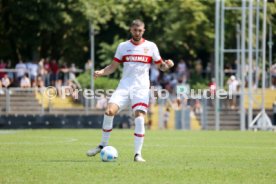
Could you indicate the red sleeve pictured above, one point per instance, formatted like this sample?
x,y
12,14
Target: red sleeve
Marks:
x,y
158,62
117,60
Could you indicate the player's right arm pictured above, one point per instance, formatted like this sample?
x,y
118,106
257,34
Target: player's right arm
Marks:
x,y
107,70
113,66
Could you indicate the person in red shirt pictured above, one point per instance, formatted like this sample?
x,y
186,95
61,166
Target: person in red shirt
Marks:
x,y
54,69
2,66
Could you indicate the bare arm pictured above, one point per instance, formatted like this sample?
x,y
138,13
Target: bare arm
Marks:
x,y
107,70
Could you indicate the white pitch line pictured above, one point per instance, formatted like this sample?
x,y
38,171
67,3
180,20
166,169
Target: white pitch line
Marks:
x,y
193,146
229,147
67,140
6,132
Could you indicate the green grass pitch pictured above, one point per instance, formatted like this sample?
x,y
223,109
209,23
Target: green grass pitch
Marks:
x,y
58,156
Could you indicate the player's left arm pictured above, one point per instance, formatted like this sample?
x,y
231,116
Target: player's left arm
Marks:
x,y
165,65
161,65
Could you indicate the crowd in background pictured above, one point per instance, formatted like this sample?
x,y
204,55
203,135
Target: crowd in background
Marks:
x,y
44,73
48,72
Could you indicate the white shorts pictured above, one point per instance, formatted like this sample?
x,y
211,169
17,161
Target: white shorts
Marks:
x,y
138,99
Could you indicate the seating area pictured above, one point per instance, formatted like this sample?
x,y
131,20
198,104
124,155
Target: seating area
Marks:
x,y
16,101
31,101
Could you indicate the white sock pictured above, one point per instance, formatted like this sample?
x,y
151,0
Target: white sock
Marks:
x,y
107,128
139,133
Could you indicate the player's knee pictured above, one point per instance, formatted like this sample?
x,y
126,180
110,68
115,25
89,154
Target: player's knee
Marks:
x,y
139,113
110,112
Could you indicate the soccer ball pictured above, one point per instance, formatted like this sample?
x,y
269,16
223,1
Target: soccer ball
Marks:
x,y
109,154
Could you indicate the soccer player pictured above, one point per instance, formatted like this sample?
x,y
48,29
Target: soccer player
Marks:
x,y
136,55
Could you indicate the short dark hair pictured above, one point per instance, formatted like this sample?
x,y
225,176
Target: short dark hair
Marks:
x,y
137,22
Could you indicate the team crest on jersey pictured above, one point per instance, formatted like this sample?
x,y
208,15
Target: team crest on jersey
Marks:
x,y
146,50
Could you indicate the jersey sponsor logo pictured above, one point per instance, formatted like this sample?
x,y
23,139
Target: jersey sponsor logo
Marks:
x,y
137,58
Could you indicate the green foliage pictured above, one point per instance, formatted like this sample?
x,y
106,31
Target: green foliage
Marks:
x,y
198,82
30,29
202,84
84,80
100,83
106,54
106,83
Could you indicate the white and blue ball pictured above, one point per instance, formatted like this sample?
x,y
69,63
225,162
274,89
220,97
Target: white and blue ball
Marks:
x,y
109,154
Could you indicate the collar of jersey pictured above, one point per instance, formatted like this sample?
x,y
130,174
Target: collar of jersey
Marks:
x,y
143,40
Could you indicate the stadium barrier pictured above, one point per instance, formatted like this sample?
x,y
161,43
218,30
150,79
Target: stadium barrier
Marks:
x,y
55,121
19,108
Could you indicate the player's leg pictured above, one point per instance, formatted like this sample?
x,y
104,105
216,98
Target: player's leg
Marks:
x,y
117,102
140,101
139,133
110,112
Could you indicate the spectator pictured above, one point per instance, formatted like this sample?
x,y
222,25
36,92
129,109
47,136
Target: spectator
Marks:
x,y
212,86
47,72
33,69
2,66
10,74
54,69
173,82
181,70
101,103
39,82
181,67
255,75
63,74
149,115
88,66
28,65
25,81
41,72
21,70
72,71
154,74
273,76
166,117
197,107
233,85
6,81
245,72
212,89
1,90
73,91
58,86
41,67
274,113
198,67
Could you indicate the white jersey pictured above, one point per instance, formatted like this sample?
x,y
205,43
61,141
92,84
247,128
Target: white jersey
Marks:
x,y
137,59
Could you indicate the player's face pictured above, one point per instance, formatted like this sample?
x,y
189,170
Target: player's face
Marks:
x,y
137,32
